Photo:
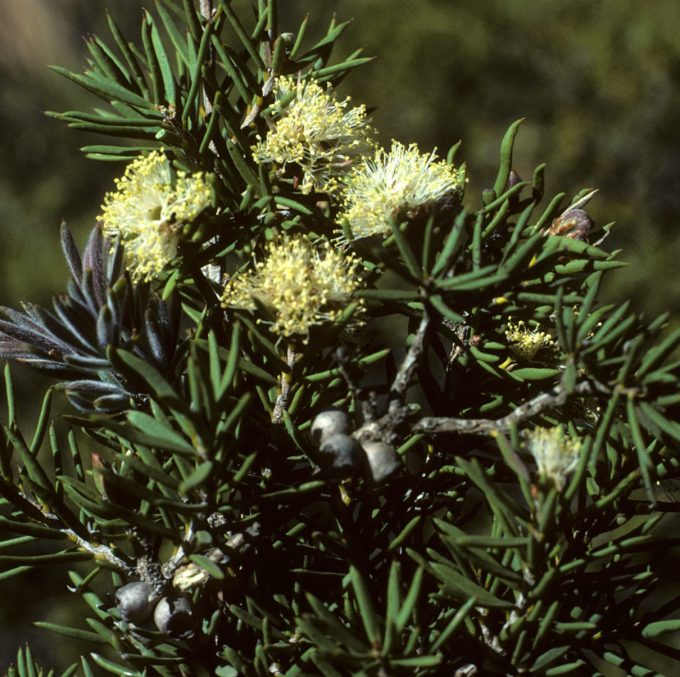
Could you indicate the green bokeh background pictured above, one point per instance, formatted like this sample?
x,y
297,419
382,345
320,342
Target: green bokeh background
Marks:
x,y
598,84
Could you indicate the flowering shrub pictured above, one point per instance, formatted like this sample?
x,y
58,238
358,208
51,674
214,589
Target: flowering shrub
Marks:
x,y
329,414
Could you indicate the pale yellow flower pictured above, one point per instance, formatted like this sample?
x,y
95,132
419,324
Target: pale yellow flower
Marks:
x,y
147,210
526,343
322,135
555,453
302,284
399,181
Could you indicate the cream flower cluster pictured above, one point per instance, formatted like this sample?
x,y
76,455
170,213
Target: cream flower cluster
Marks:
x,y
322,135
526,343
300,283
147,210
399,181
555,453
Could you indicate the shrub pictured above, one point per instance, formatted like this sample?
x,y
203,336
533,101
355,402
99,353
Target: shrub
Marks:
x,y
330,415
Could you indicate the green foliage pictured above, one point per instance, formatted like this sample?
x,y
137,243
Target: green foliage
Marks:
x,y
499,511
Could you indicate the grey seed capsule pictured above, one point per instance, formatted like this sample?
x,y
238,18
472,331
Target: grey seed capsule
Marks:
x,y
330,422
339,456
135,601
382,460
174,616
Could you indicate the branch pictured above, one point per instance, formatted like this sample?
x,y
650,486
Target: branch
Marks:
x,y
408,366
100,552
556,397
282,399
385,428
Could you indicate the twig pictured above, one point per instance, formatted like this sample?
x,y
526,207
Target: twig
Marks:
x,y
282,399
385,427
408,366
556,397
99,551
206,9
366,400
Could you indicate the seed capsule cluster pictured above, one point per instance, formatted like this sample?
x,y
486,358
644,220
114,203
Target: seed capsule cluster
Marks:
x,y
342,453
173,616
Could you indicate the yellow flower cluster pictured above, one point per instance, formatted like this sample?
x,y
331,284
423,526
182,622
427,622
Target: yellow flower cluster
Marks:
x,y
526,343
148,208
300,283
322,135
555,453
401,180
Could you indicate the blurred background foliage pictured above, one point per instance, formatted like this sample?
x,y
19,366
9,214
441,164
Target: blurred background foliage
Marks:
x,y
598,84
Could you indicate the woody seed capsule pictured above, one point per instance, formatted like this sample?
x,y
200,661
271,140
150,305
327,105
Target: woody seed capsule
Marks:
x,y
135,601
339,456
174,616
330,422
382,460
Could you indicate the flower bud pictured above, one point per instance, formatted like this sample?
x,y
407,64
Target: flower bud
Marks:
x,y
382,460
339,456
135,601
174,616
330,422
574,223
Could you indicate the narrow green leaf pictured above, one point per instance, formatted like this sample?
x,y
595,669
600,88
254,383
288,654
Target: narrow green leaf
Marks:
x,y
466,281
443,309
644,461
16,571
444,260
9,392
654,357
405,532
114,668
197,478
548,657
411,600
407,255
292,204
366,608
149,374
658,628
43,423
341,68
418,661
566,668
249,45
155,433
179,43
72,633
208,565
453,625
190,102
506,157
393,606
33,468
163,63
153,68
232,71
333,626
52,558
135,69
107,90
29,528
